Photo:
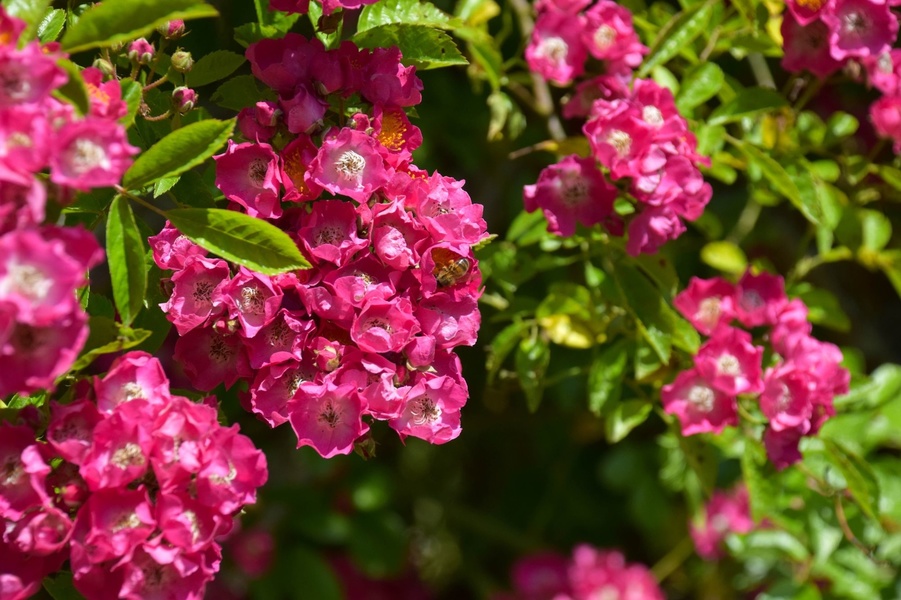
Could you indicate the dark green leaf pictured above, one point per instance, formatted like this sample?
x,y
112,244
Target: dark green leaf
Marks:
x,y
606,375
125,254
532,359
240,92
501,347
179,151
319,580
749,102
115,21
107,337
213,67
60,587
761,493
239,238
378,543
51,25
700,85
411,12
421,46
677,34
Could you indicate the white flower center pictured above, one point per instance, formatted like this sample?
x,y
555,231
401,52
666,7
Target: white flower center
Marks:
x,y
83,156
702,397
708,311
652,115
553,48
621,141
604,37
26,280
350,164
728,365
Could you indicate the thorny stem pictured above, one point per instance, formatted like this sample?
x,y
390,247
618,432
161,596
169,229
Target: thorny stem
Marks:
x,y
161,117
125,193
745,222
846,529
544,104
156,83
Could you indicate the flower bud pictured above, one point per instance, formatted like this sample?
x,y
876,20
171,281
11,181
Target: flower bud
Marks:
x,y
140,51
172,30
183,99
182,61
105,67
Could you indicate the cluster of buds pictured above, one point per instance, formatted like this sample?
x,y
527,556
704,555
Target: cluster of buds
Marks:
x,y
637,137
590,574
370,330
796,391
131,485
42,326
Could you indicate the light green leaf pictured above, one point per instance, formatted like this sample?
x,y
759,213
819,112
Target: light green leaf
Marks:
x,y
700,85
774,172
624,417
125,254
213,67
725,256
106,337
876,229
823,308
239,238
179,151
411,12
30,11
482,47
114,21
74,90
421,46
858,475
606,375
132,94
501,347
749,102
883,386
51,25
761,494
678,33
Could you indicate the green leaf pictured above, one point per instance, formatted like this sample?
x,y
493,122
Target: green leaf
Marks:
x,y
823,308
485,54
725,256
378,544
61,587
652,314
774,172
30,11
761,493
125,253
411,12
74,90
700,85
532,359
677,34
51,25
501,347
876,229
132,95
179,151
421,46
239,238
774,543
883,386
624,417
319,579
605,376
213,67
115,21
240,92
858,475
749,102
106,337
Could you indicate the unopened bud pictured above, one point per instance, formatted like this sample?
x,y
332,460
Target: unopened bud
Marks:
x,y
105,67
172,30
141,51
183,99
182,61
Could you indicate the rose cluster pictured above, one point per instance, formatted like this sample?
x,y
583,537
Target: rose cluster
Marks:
x,y
46,149
795,392
370,329
590,574
633,127
132,485
726,512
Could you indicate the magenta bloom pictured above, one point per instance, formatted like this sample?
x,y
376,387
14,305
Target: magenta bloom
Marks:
x,y
572,190
556,50
807,47
731,362
432,410
386,82
197,293
698,405
211,358
782,446
652,228
131,376
330,233
29,74
384,326
249,174
609,36
706,303
329,422
349,163
595,572
886,116
806,11
860,28
93,152
725,513
171,250
759,299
